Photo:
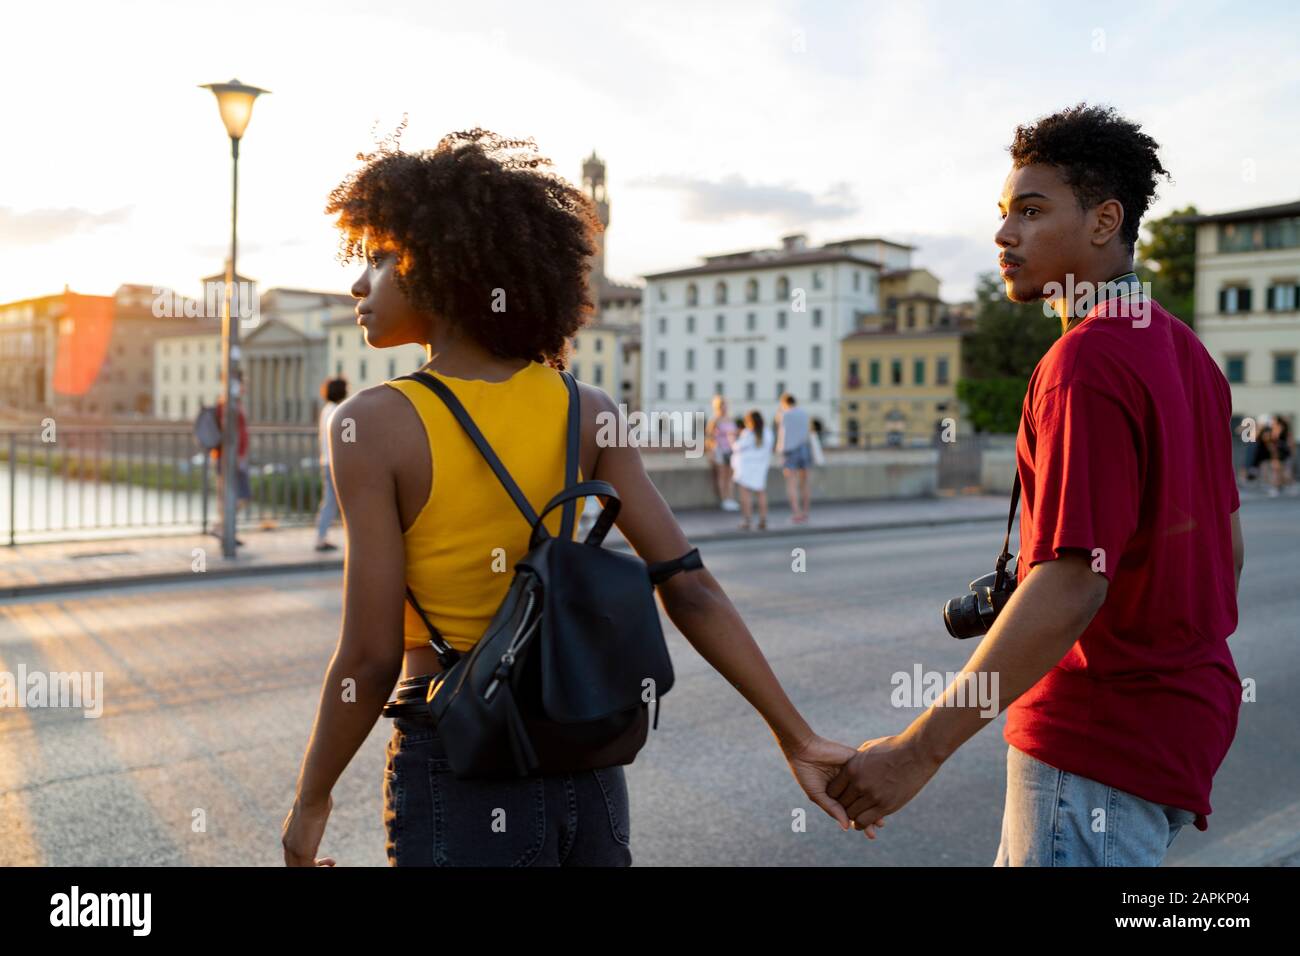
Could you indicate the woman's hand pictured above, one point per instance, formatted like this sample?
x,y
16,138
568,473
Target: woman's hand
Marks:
x,y
815,764
303,829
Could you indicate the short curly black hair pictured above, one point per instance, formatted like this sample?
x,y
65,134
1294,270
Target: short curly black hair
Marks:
x,y
1104,156
485,237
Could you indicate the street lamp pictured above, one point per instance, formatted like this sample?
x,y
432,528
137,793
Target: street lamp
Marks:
x,y
235,101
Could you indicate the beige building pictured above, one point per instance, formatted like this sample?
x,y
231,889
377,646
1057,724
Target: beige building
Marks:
x,y
900,368
1248,304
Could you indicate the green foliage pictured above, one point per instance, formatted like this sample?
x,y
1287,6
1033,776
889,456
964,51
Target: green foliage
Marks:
x,y
1000,354
1167,259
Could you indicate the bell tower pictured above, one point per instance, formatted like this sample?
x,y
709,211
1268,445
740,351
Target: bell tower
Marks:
x,y
593,183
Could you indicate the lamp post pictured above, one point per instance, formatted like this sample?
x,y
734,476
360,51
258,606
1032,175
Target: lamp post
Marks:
x,y
235,101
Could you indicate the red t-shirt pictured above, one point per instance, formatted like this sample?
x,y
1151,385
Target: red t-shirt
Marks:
x,y
1125,445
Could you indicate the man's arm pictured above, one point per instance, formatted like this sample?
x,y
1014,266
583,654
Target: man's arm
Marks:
x,y
1038,625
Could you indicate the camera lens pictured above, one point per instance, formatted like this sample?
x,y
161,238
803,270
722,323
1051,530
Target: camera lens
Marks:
x,y
962,617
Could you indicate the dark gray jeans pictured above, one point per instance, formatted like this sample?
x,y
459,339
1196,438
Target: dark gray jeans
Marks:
x,y
434,818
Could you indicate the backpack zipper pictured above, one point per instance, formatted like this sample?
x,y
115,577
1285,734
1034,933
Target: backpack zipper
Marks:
x,y
508,657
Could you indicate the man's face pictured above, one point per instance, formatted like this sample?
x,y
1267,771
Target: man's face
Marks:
x,y
1043,235
383,311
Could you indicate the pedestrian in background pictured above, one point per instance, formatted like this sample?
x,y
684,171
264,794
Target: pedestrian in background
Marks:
x,y
243,484
333,391
719,441
750,461
794,444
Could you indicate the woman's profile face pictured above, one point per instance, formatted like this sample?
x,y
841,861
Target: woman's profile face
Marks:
x,y
382,310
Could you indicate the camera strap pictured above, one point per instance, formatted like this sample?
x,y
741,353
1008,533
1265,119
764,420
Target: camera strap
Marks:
x,y
1001,579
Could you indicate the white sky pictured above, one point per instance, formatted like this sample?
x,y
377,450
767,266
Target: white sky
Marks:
x,y
724,125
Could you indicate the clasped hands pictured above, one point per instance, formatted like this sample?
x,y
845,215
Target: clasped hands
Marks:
x,y
859,788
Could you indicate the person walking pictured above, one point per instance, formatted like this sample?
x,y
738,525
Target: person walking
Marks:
x,y
437,232
794,444
750,461
719,440
243,483
333,391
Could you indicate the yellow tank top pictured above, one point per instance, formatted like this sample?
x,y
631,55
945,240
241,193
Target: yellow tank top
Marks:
x,y
462,548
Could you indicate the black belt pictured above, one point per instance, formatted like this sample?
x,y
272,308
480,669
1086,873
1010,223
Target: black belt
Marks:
x,y
409,701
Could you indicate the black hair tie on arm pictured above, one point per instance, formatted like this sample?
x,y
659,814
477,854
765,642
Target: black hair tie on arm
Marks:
x,y
661,571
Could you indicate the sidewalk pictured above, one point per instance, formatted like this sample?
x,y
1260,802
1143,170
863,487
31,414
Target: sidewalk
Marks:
x,y
29,569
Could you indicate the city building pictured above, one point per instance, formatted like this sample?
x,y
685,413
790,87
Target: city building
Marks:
x,y
1248,304
752,325
606,352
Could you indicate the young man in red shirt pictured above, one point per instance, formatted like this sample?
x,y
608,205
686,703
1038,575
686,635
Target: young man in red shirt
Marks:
x,y
1111,656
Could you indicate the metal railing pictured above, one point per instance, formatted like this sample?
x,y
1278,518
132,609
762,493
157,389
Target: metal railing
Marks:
x,y
109,481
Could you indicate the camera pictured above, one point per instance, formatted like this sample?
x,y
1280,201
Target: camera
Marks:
x,y
971,615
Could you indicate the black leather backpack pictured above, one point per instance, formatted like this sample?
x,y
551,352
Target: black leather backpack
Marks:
x,y
564,676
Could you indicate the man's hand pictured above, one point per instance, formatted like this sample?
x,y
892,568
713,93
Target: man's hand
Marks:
x,y
814,764
881,778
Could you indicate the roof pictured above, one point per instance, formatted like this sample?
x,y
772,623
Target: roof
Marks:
x,y
887,242
772,259
1240,215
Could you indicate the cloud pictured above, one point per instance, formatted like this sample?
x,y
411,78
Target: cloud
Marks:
x,y
36,226
707,200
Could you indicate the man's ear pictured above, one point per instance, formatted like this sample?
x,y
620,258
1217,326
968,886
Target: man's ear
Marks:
x,y
1107,218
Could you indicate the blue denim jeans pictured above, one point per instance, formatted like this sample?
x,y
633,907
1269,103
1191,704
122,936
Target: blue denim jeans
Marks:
x,y
1054,818
434,818
329,505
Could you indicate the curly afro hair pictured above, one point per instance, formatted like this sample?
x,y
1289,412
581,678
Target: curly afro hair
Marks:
x,y
1104,156
484,236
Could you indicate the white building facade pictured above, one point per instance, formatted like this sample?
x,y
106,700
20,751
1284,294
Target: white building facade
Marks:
x,y
1248,304
753,325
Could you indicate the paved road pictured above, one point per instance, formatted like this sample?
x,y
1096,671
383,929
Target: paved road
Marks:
x,y
210,689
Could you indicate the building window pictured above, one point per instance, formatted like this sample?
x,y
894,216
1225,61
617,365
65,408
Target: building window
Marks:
x,y
577,373
717,388
918,371
941,371
663,328
662,391
1234,368
361,365
663,293
853,431
782,287
816,391
751,290
165,403
817,318
751,322
1234,299
1282,297
780,319
718,359
600,343
690,389
749,391
338,341
690,325
600,374
817,278
896,372
751,358
185,406
690,360
392,367
663,360
857,281
720,293
875,371
1284,369
816,356
780,357
720,323
1282,233
692,294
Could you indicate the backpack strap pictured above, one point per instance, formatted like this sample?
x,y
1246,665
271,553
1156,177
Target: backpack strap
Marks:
x,y
447,655
571,453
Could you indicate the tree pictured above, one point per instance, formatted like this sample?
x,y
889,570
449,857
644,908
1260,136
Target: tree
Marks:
x,y
1000,353
1167,259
